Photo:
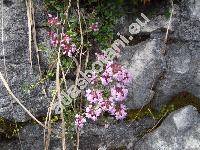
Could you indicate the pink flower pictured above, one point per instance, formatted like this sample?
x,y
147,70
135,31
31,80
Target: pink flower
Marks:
x,y
92,112
109,66
54,39
107,105
94,96
106,78
121,112
94,27
119,92
119,76
79,121
126,77
102,56
116,67
68,49
53,20
122,76
65,38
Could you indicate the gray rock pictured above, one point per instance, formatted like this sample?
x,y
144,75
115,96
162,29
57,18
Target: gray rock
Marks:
x,y
145,63
181,74
18,69
40,13
194,6
31,137
178,67
179,131
10,145
92,136
169,68
114,136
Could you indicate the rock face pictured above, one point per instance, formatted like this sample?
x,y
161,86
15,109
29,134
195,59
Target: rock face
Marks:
x,y
15,65
161,70
144,61
179,131
114,136
92,137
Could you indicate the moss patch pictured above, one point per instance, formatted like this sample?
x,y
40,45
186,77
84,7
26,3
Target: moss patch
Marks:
x,y
183,99
8,129
178,101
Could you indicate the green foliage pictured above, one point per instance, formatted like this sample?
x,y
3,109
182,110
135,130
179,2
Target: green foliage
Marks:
x,y
67,63
56,5
167,13
8,129
108,13
181,100
147,111
55,118
69,123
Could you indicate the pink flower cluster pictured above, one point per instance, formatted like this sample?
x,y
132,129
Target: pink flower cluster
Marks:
x,y
94,27
79,121
111,96
53,20
63,40
115,71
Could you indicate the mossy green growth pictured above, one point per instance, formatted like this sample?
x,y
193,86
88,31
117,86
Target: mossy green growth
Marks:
x,y
8,129
147,111
167,13
178,101
183,99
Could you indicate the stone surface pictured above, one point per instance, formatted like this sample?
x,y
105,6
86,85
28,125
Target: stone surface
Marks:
x,y
177,61
145,63
92,137
157,76
194,6
18,69
114,136
179,131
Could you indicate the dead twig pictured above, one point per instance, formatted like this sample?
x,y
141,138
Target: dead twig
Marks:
x,y
29,16
80,62
18,101
170,20
47,140
150,130
34,37
2,39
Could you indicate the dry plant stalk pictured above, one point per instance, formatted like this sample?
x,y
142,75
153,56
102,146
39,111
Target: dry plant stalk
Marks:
x,y
18,101
60,98
170,20
32,33
79,66
30,22
150,130
34,37
48,119
48,123
58,93
2,38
